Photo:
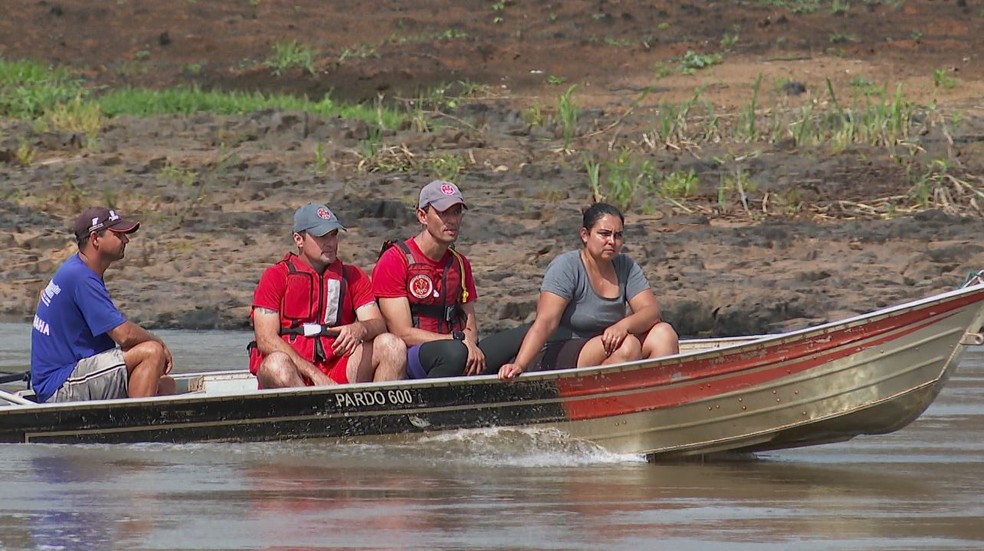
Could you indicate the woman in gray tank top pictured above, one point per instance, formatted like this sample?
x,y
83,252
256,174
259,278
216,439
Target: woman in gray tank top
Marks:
x,y
581,313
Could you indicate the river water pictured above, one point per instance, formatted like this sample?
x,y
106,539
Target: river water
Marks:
x,y
920,488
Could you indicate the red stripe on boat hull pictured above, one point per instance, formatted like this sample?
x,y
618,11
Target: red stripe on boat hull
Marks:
x,y
745,370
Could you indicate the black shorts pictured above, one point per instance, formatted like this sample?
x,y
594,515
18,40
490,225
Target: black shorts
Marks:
x,y
558,355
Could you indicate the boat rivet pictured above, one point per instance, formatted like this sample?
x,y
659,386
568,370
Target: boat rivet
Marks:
x,y
773,391
796,392
804,413
744,408
739,399
709,408
717,406
778,399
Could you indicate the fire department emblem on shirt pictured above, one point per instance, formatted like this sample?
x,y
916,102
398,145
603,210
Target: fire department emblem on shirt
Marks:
x,y
421,286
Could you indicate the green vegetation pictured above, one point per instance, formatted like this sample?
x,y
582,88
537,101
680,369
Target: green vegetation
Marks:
x,y
291,55
442,36
193,69
25,152
840,38
674,161
499,10
678,185
943,79
678,126
32,91
839,7
76,115
834,7
186,101
178,175
28,88
361,51
320,164
729,40
796,6
567,115
692,62
867,121
447,166
370,50
871,119
737,184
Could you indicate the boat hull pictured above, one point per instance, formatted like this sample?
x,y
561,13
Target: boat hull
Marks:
x,y
871,374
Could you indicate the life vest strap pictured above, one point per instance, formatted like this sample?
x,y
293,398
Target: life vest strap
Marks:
x,y
310,330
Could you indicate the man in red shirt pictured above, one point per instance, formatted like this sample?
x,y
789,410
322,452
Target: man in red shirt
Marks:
x,y
315,319
426,293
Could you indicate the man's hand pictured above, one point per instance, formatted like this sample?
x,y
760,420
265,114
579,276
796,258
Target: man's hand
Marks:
x,y
168,360
349,338
475,364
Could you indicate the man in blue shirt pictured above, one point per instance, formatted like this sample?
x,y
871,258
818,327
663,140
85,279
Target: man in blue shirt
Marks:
x,y
82,347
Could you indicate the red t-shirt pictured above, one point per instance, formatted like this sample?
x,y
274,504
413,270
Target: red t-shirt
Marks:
x,y
390,279
271,291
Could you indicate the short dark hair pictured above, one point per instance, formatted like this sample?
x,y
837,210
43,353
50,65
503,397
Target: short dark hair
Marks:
x,y
597,211
81,239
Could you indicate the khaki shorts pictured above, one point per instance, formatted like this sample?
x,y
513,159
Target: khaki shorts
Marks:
x,y
99,377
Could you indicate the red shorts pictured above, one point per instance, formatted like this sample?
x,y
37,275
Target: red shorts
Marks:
x,y
335,367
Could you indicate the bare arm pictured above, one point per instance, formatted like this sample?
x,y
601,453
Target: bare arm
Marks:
x,y
549,309
372,319
266,327
129,334
475,364
368,325
645,313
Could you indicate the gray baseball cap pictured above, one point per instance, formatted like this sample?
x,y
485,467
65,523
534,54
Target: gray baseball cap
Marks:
x,y
440,194
315,219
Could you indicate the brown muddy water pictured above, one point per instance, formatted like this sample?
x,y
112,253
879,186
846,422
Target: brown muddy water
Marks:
x,y
920,488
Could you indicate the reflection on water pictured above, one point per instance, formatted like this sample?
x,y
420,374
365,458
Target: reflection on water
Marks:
x,y
501,489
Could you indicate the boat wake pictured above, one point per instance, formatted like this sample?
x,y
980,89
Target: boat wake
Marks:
x,y
519,447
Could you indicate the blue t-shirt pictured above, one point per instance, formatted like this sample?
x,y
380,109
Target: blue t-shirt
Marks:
x,y
73,318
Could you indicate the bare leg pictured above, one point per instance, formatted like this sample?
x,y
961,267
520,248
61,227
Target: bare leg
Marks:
x,y
389,353
278,371
593,352
145,367
166,386
661,341
383,360
359,368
